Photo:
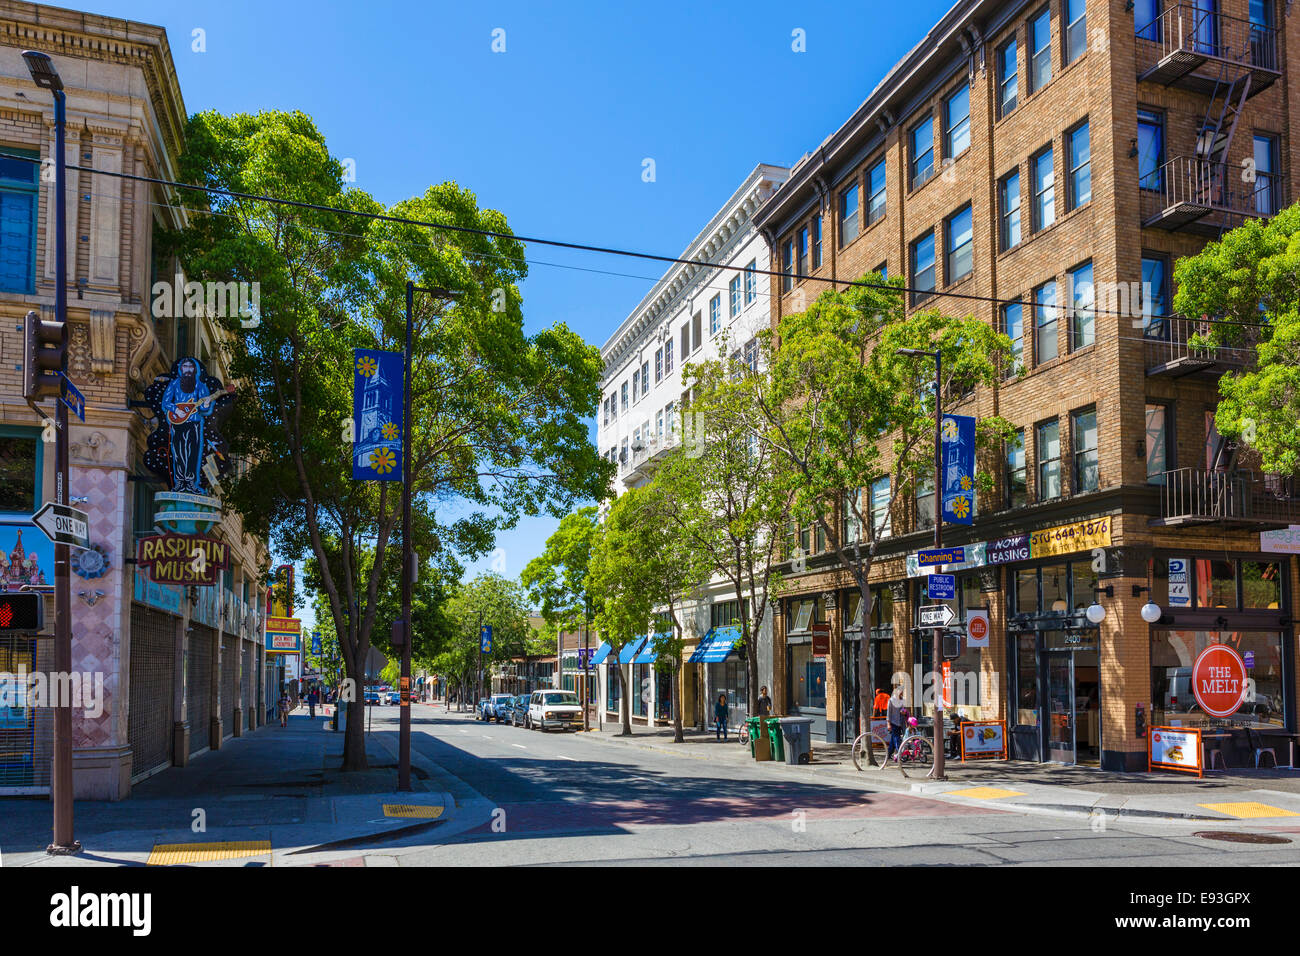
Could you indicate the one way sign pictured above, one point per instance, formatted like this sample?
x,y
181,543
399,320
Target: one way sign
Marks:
x,y
64,525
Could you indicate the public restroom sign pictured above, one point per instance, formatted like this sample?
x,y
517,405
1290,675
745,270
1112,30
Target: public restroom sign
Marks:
x,y
1219,680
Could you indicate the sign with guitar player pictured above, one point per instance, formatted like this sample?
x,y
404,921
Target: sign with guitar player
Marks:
x,y
188,405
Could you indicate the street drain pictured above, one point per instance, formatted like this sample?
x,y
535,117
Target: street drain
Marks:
x,y
1232,836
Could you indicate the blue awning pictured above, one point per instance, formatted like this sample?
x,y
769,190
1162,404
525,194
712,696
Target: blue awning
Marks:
x,y
602,652
648,653
630,649
717,645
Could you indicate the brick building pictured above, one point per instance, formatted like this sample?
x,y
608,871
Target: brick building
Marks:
x,y
1054,158
182,668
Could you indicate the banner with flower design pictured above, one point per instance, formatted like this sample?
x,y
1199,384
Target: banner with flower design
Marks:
x,y
377,415
958,440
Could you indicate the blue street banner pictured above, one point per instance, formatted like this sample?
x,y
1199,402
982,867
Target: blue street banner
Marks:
x,y
315,644
485,639
377,415
958,441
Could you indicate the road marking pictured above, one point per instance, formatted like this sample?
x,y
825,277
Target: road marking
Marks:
x,y
1248,809
486,737
410,810
563,757
174,854
520,746
984,793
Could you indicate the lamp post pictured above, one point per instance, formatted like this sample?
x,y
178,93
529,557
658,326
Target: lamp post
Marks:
x,y
47,77
937,772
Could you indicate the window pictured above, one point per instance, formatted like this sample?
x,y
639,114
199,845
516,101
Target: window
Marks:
x,y
849,215
802,269
1080,155
1155,296
605,406
624,396
1008,78
696,339
1082,317
734,299
1009,210
880,517
957,123
1146,19
959,261
1044,190
19,476
923,267
1158,418
636,381
1263,43
883,270
751,354
1076,29
18,202
645,378
659,365
852,530
1151,149
817,241
1206,19
1017,488
751,281
1040,46
659,425
1083,426
1048,454
668,356
715,314
670,418
1045,323
787,265
924,503
686,340
922,151
1013,324
1266,191
876,193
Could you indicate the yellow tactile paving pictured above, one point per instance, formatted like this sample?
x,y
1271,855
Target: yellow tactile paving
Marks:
x,y
409,810
985,793
179,854
1248,809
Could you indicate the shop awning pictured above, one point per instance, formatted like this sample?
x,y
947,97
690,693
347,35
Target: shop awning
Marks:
x,y
717,645
631,649
602,652
648,653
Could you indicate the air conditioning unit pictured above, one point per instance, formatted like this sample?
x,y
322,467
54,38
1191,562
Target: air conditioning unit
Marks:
x,y
638,446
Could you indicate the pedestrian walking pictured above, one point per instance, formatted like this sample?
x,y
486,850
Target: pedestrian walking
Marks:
x,y
764,703
880,704
720,717
897,714
284,709
313,696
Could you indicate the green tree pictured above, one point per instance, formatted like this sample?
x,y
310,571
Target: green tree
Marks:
x,y
487,599
841,408
498,417
1247,281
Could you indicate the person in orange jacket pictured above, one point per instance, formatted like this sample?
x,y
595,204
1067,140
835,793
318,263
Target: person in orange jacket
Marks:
x,y
880,704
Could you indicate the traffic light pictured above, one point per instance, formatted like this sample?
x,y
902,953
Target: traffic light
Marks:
x,y
45,344
22,611
951,645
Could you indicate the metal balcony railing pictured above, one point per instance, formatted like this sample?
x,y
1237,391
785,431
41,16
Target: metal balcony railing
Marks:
x,y
1171,348
1189,45
1190,191
1193,496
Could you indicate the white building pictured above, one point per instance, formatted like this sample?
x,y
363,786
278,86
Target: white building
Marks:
x,y
686,317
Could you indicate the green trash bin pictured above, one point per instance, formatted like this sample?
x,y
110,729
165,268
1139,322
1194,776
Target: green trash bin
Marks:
x,y
753,727
776,737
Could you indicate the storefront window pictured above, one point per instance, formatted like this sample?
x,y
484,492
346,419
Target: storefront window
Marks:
x,y
1261,584
613,688
730,678
640,689
882,607
1055,583
807,678
971,595
1083,582
1027,591
1173,699
1216,583
1026,680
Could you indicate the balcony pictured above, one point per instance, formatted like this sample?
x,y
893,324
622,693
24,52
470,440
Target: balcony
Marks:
x,y
1170,349
1231,498
643,454
1197,49
1207,197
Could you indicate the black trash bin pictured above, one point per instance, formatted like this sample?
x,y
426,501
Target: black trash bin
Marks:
x,y
797,732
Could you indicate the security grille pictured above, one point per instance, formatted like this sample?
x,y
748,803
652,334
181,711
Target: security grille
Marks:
x,y
229,686
248,679
153,680
26,732
198,686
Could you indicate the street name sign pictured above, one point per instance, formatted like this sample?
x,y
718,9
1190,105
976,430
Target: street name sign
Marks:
x,y
73,398
936,615
63,524
928,557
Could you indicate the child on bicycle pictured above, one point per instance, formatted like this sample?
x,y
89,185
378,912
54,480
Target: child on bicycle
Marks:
x,y
897,714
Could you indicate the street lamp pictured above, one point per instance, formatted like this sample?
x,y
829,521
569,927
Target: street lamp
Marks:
x,y
937,772
47,77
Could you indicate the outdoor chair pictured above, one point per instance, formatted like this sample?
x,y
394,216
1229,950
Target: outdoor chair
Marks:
x,y
1254,743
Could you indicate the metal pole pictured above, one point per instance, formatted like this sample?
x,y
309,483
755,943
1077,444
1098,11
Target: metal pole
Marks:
x,y
586,667
936,642
408,566
61,781
478,674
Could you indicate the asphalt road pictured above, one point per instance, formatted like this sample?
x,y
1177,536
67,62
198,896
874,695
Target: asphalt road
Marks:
x,y
530,798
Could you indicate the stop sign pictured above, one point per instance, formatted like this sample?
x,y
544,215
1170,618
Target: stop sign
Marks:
x,y
1219,680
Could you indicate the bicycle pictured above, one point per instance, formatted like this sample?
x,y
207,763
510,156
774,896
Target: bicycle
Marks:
x,y
913,750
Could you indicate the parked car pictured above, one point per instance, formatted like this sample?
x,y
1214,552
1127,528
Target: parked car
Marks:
x,y
498,707
481,711
372,697
554,708
393,697
519,710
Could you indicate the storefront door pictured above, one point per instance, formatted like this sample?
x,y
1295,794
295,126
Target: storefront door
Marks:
x,y
1060,699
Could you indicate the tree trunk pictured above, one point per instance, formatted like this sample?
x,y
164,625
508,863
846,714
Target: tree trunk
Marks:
x,y
866,679
626,705
354,738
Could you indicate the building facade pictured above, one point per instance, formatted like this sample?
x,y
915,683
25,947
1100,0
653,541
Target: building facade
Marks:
x,y
182,668
690,315
1052,161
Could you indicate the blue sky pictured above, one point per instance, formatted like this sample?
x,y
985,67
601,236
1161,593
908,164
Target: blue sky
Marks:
x,y
553,131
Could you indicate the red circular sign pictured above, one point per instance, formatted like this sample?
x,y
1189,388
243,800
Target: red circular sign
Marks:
x,y
1219,680
978,628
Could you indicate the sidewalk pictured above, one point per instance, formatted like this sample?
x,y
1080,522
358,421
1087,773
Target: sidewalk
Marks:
x,y
273,797
1264,798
